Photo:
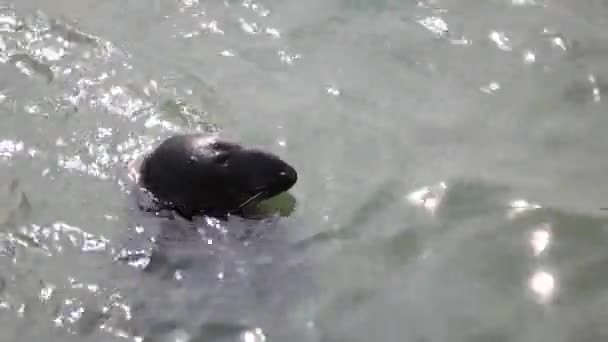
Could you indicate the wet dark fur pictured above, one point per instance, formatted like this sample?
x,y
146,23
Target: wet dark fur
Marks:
x,y
197,174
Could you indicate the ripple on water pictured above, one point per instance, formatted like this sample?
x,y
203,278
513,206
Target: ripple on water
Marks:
x,y
53,296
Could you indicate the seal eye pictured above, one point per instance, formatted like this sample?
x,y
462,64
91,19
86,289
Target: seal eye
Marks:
x,y
225,146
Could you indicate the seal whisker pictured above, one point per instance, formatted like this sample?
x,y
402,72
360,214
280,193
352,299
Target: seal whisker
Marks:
x,y
251,199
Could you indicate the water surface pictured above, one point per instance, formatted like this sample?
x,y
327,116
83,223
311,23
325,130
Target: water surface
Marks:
x,y
450,156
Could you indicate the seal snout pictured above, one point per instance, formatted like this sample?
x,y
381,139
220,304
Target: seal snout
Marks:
x,y
288,177
275,175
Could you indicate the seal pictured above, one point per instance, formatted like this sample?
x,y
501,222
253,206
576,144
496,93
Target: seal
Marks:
x,y
200,174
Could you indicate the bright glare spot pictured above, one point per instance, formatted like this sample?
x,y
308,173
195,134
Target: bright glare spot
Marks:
x,y
543,285
121,333
10,147
46,292
32,152
520,206
212,27
596,90
52,54
428,198
154,121
490,88
287,58
559,42
273,32
529,57
182,336
434,24
523,2
189,3
254,335
247,27
523,204
461,41
333,91
540,239
596,95
501,40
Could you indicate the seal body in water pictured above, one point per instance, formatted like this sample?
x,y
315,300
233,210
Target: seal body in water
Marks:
x,y
200,174
246,268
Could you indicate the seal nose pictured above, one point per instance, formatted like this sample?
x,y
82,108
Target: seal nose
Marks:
x,y
288,177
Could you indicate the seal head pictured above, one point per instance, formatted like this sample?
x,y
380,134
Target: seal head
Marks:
x,y
201,174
